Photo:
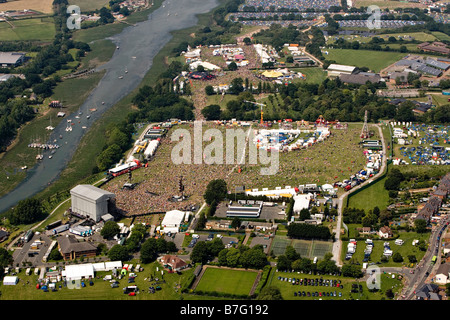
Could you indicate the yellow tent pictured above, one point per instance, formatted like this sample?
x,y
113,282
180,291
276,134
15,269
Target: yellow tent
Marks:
x,y
272,74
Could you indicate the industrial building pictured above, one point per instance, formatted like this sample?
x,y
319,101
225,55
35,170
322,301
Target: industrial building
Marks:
x,y
91,202
71,249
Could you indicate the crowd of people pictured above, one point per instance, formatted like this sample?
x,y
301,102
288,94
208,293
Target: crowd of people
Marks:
x,y
300,5
158,183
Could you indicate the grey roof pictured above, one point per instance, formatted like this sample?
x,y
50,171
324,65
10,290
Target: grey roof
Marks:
x,y
70,244
437,64
10,57
359,78
426,69
444,269
90,192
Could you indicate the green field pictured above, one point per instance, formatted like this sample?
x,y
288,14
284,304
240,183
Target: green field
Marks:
x,y
374,60
313,75
229,281
406,249
28,29
373,196
287,289
306,248
101,290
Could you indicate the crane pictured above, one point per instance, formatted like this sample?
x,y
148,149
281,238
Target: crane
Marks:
x,y
259,104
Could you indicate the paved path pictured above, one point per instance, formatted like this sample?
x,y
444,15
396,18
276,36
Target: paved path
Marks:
x,y
337,245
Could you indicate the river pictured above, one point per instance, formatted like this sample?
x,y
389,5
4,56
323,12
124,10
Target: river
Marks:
x,y
137,46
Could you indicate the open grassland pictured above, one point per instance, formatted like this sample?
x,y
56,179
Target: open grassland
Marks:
x,y
374,60
89,5
44,6
28,29
229,281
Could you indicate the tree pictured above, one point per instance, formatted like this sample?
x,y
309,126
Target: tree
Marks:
x,y
118,252
211,112
200,253
27,211
209,90
236,223
149,250
247,41
233,256
283,263
216,190
397,257
6,258
304,214
420,225
270,293
232,66
109,230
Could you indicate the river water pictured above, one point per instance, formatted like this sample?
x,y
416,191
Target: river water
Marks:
x,y
137,46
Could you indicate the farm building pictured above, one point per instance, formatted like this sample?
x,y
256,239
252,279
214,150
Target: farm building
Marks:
x,y
335,70
91,202
11,59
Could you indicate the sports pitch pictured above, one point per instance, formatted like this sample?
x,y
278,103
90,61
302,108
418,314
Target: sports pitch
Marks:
x,y
306,248
231,281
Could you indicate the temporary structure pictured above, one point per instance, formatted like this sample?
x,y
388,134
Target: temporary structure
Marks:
x,y
10,280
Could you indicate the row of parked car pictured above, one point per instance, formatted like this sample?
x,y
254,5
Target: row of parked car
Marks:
x,y
313,282
317,294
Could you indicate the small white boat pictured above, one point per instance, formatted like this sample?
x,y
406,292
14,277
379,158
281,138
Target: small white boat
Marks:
x,y
121,77
50,156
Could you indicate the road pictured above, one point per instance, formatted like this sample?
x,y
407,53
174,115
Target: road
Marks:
x,y
425,269
337,245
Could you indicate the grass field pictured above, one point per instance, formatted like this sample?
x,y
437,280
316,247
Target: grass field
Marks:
x,y
373,196
406,249
28,29
313,75
306,248
44,6
287,289
374,60
89,5
101,290
230,281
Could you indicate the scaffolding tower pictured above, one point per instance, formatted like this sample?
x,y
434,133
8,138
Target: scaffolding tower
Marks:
x,y
365,128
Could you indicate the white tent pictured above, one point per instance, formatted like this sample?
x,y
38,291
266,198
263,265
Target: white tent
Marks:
x,y
301,201
110,265
327,187
79,271
10,280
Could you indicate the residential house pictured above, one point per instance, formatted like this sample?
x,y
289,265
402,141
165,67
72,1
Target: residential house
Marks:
x,y
428,291
385,232
443,274
173,263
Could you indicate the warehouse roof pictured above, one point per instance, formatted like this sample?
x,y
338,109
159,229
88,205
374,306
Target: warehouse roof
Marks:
x,y
340,67
90,192
70,244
